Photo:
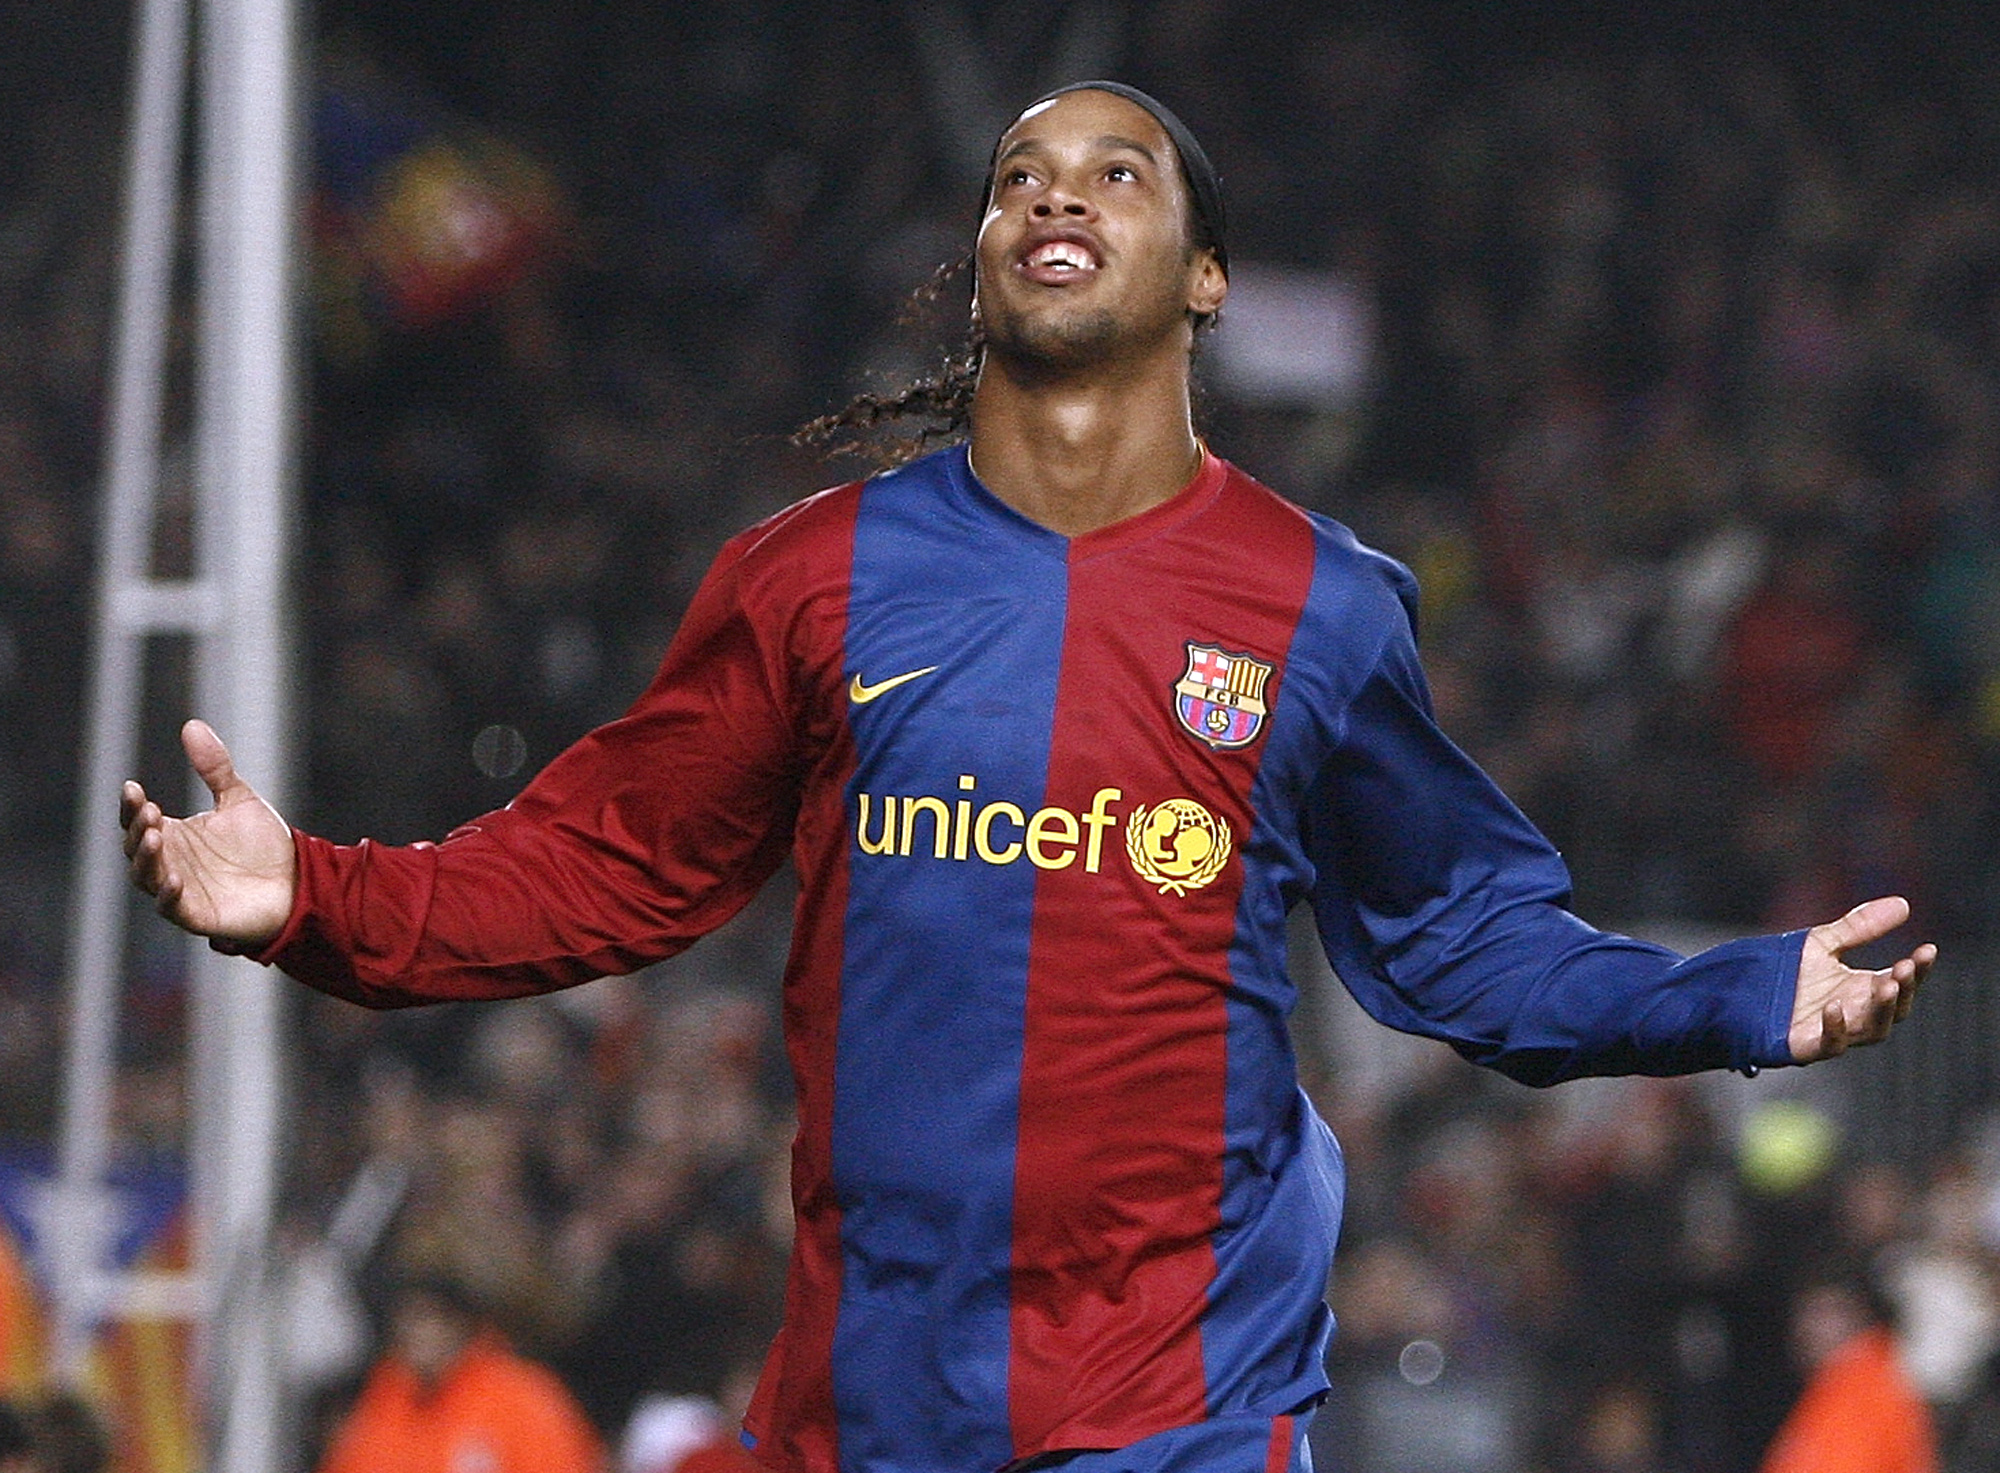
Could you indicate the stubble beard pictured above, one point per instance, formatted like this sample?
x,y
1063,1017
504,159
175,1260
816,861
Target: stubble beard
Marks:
x,y
1069,344
1056,344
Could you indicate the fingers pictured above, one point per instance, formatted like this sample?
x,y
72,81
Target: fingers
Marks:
x,y
131,798
1859,1019
138,815
145,843
151,869
146,820
135,812
211,762
1909,974
166,893
1869,921
146,846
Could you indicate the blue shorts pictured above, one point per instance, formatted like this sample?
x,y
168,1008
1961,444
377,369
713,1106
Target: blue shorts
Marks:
x,y
1222,1445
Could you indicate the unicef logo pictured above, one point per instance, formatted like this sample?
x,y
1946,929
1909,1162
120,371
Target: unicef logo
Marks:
x,y
1177,844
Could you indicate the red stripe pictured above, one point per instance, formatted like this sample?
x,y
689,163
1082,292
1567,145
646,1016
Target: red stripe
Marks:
x,y
792,1414
1279,1458
1119,1155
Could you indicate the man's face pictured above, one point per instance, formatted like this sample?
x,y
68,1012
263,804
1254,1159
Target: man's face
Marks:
x,y
1084,252
429,1334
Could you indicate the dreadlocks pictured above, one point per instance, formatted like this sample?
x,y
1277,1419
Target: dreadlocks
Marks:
x,y
943,397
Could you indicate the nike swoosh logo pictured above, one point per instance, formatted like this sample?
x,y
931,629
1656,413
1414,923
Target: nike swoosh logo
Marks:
x,y
861,694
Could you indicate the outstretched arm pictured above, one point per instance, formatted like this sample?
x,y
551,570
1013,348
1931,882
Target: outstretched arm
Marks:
x,y
1445,913
228,874
644,835
1838,1006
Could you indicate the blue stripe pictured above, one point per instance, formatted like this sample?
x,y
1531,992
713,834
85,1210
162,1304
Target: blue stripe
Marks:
x,y
934,982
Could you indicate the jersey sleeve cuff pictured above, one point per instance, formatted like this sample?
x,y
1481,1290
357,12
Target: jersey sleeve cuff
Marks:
x,y
1775,1047
272,952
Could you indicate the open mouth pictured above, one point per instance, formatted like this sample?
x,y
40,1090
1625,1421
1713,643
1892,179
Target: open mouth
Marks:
x,y
1061,260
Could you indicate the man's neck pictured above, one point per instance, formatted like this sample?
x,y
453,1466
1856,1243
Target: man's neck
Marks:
x,y
1079,454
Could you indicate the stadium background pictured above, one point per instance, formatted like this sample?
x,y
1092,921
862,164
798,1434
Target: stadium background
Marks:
x,y
1666,348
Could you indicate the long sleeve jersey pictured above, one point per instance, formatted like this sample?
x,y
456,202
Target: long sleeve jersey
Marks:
x,y
1050,800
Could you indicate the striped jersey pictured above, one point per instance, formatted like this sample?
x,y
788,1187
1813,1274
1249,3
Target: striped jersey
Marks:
x,y
1050,800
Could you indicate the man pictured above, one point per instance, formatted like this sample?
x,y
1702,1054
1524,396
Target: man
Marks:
x,y
449,1395
1860,1412
1056,727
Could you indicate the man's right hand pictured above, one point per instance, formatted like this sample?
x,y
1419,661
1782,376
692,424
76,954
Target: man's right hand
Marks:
x,y
229,874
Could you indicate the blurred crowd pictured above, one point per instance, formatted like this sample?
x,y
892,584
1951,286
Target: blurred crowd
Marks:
x,y
53,1433
1627,1283
1669,359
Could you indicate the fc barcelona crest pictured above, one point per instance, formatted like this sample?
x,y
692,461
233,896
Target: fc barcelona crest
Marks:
x,y
1221,698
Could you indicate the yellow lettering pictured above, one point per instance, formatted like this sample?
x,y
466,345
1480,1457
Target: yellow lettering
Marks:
x,y
940,822
1053,838
1097,819
887,843
982,833
961,829
1052,826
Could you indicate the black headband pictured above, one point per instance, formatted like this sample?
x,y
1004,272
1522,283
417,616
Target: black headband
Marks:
x,y
1202,181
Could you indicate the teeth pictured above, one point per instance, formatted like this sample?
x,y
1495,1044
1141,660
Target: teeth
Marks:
x,y
1061,253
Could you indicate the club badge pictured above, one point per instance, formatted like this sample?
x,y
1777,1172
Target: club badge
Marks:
x,y
1220,699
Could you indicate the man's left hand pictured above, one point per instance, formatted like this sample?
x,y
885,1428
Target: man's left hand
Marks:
x,y
1837,1006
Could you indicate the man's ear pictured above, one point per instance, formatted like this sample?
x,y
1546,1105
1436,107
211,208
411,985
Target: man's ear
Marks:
x,y
1207,286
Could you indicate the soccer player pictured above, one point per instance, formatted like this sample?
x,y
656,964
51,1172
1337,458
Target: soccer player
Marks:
x,y
1056,724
